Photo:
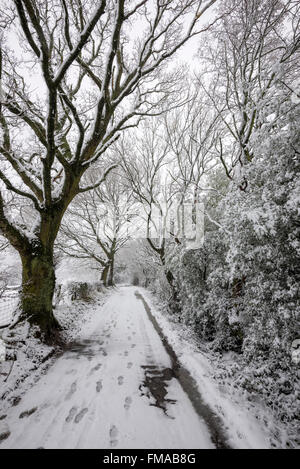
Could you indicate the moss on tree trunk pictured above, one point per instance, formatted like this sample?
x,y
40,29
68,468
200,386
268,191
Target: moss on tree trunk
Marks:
x,y
110,281
104,275
38,284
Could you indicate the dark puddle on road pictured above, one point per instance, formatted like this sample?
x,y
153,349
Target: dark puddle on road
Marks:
x,y
155,385
156,382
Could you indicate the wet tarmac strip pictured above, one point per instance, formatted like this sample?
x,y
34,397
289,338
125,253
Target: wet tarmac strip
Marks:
x,y
155,384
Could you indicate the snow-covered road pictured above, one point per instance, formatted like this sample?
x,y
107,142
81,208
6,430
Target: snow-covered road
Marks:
x,y
112,389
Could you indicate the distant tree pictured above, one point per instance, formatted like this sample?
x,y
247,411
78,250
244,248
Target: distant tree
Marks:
x,y
166,169
143,164
96,225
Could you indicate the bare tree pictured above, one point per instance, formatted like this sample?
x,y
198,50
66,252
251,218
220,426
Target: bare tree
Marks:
x,y
97,225
93,80
138,263
165,168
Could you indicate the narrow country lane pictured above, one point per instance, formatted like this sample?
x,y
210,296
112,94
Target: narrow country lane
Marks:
x,y
113,389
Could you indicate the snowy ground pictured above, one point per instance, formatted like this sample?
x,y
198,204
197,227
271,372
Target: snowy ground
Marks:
x,y
90,398
114,388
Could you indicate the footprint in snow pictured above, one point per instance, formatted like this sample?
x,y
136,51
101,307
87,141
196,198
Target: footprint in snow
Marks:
x,y
96,368
72,390
120,380
81,415
133,345
103,351
129,365
128,402
126,353
71,414
27,413
99,385
113,433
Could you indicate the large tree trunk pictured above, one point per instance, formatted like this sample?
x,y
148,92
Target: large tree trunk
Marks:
x,y
38,273
38,281
38,284
104,275
110,282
